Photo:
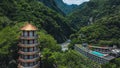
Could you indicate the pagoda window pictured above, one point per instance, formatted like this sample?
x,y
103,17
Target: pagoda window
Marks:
x,y
31,64
31,57
25,49
36,55
31,49
35,48
31,41
34,41
25,57
35,34
35,62
25,34
25,41
31,33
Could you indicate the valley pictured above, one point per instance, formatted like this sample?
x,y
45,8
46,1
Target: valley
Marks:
x,y
60,27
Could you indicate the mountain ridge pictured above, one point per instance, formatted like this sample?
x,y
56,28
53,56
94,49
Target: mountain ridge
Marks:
x,y
52,4
65,7
42,16
59,6
97,23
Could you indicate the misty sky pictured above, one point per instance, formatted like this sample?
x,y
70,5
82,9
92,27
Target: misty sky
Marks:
x,y
78,2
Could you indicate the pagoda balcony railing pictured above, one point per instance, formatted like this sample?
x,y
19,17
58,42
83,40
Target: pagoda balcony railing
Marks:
x,y
27,45
30,50
35,66
28,37
28,60
28,53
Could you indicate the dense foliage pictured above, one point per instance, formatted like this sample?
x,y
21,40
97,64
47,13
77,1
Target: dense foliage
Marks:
x,y
64,7
59,6
105,26
101,17
53,5
93,10
9,37
8,47
105,31
13,12
98,24
113,64
52,55
43,17
69,59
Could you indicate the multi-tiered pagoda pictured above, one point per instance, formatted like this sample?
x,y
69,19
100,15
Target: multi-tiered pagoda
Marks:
x,y
28,50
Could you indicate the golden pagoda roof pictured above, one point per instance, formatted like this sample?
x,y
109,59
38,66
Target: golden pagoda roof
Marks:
x,y
29,27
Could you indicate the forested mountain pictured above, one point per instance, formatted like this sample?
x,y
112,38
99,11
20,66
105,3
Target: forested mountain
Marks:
x,y
53,5
14,14
32,10
93,10
59,6
64,7
97,23
102,18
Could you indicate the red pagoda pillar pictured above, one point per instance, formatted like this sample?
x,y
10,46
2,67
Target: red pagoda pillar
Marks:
x,y
28,50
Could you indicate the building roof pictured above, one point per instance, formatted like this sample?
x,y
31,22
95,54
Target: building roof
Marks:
x,y
29,27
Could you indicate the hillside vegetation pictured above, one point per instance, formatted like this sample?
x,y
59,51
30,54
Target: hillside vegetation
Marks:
x,y
53,5
103,26
34,11
59,6
53,28
97,23
92,11
64,7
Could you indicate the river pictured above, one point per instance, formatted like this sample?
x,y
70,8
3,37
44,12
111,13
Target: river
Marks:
x,y
65,45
